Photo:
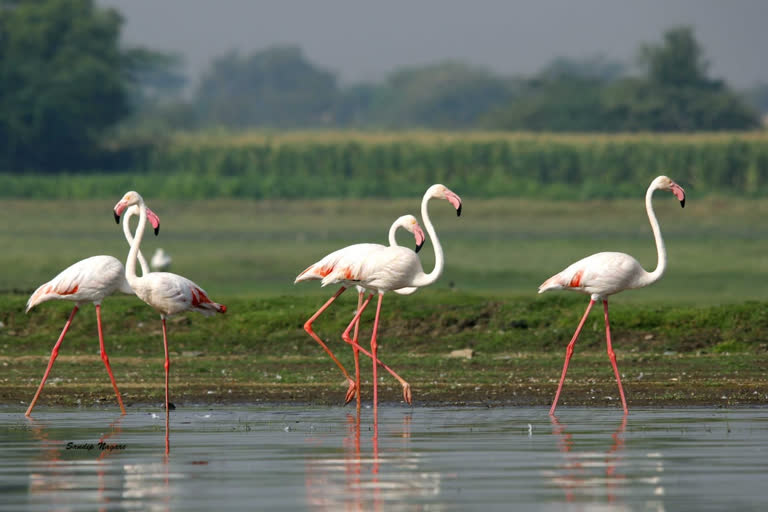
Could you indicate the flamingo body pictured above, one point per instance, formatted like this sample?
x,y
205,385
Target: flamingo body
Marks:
x,y
170,294
88,280
599,275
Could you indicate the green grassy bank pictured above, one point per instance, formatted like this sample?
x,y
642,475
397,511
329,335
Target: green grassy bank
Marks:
x,y
258,351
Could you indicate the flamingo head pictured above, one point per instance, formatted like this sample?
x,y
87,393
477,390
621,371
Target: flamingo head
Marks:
x,y
412,225
442,192
665,183
134,199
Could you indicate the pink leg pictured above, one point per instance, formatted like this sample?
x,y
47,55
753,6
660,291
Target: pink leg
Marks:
x,y
345,336
54,354
167,410
568,354
374,347
356,352
308,328
612,357
106,359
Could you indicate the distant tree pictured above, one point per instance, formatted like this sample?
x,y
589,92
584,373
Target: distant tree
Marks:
x,y
444,95
274,87
675,93
565,96
63,81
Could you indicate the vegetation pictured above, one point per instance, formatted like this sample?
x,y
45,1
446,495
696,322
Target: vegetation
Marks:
x,y
500,247
355,164
64,80
259,351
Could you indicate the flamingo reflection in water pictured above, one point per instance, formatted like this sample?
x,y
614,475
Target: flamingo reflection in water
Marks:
x,y
587,475
118,485
375,480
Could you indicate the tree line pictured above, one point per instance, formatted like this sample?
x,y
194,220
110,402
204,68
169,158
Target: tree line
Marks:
x,y
73,98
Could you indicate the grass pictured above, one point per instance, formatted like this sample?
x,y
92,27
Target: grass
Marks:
x,y
698,335
259,351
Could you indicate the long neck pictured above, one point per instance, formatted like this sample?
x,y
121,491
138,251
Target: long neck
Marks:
x,y
661,266
392,231
129,237
427,279
130,264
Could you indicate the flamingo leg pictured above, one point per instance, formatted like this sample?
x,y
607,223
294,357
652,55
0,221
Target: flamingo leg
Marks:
x,y
374,347
612,357
356,351
54,354
569,353
308,327
345,336
167,410
106,359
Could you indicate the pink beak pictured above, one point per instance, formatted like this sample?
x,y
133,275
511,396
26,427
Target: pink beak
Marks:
x,y
679,193
151,216
418,234
454,200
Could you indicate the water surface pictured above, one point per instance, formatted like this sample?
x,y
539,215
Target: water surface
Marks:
x,y
320,458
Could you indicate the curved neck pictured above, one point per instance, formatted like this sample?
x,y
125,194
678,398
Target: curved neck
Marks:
x,y
130,264
661,265
392,230
129,237
427,279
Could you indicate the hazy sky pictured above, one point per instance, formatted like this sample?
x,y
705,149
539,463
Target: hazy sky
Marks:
x,y
365,40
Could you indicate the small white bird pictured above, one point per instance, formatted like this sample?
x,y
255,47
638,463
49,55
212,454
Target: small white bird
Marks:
x,y
161,260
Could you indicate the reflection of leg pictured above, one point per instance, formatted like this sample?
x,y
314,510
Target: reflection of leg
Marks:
x,y
54,354
612,357
308,327
167,399
106,359
345,337
374,347
569,353
356,351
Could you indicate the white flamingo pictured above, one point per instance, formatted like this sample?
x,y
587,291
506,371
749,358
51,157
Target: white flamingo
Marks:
x,y
607,273
167,293
395,268
88,280
161,260
334,268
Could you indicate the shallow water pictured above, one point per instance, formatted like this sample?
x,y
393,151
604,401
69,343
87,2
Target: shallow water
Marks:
x,y
311,458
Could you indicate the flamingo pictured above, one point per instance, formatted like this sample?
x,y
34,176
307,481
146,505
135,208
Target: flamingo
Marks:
x,y
336,264
396,268
161,260
88,280
167,293
607,273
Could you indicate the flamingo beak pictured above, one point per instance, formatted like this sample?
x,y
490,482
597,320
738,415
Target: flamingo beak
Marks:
x,y
418,234
154,220
454,200
118,210
679,193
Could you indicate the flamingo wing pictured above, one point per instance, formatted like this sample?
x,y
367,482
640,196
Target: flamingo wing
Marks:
x,y
171,294
604,273
338,266
88,280
390,268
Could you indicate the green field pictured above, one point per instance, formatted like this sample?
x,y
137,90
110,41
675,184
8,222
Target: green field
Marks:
x,y
504,247
695,337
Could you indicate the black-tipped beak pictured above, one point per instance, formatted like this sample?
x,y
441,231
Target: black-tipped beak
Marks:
x,y
682,203
418,247
458,211
157,230
117,217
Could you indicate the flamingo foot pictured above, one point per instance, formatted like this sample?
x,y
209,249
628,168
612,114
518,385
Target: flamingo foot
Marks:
x,y
350,392
407,393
